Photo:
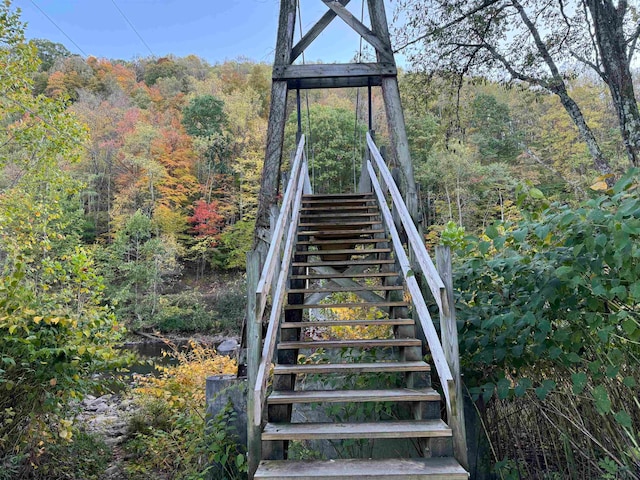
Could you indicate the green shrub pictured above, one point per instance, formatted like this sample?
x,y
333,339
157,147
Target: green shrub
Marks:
x,y
549,311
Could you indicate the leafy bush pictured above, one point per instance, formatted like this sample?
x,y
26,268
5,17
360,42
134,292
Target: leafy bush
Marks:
x,y
550,308
172,419
185,312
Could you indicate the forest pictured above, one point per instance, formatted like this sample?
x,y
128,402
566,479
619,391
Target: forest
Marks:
x,y
128,195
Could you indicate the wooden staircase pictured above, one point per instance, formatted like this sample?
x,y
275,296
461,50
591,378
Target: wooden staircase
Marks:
x,y
344,261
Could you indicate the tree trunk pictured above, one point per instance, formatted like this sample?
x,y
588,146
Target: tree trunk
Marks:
x,y
612,46
576,115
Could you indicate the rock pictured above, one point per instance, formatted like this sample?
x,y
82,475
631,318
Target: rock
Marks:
x,y
228,347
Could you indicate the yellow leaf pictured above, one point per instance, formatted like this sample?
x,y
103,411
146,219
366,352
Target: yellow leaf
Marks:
x,y
37,320
53,382
600,186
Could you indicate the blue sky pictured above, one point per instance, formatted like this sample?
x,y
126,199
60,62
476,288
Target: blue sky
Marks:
x,y
215,30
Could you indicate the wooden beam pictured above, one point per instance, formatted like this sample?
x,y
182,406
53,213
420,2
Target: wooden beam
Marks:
x,y
275,131
382,48
334,70
449,335
254,347
339,82
312,34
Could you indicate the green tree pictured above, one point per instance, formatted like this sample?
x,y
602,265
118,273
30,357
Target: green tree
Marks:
x,y
49,52
55,330
204,116
492,130
334,160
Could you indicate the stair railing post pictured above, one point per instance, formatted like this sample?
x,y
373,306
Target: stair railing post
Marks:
x,y
254,347
449,339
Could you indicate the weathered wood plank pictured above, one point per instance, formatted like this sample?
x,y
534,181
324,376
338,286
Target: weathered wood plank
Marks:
x,y
268,348
344,275
344,263
349,323
333,70
422,256
350,251
371,469
271,260
254,348
420,307
340,223
275,130
347,305
343,240
376,343
359,396
328,233
449,335
377,367
335,431
356,288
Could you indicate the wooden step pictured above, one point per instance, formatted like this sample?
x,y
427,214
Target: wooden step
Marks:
x,y
377,343
338,223
335,431
331,214
350,251
344,275
343,263
338,195
343,240
356,288
351,233
339,201
436,468
356,396
349,208
346,305
348,323
377,367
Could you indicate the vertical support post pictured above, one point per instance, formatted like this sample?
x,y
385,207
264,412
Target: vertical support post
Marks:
x,y
275,128
395,117
449,338
254,347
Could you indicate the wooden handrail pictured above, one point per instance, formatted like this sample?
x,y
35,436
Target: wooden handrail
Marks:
x,y
415,240
268,349
439,359
277,236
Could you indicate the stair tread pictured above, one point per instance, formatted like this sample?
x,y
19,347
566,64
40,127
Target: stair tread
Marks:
x,y
387,342
353,233
340,202
343,240
346,208
348,323
375,367
358,288
347,305
343,275
351,251
333,214
339,223
343,263
337,195
435,468
380,429
337,396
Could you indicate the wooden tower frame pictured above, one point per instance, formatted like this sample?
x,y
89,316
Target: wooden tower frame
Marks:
x,y
287,76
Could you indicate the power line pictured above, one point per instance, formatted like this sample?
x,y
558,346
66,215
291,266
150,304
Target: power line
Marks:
x,y
132,27
61,31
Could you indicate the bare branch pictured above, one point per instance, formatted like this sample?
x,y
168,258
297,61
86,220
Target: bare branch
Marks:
x,y
482,6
